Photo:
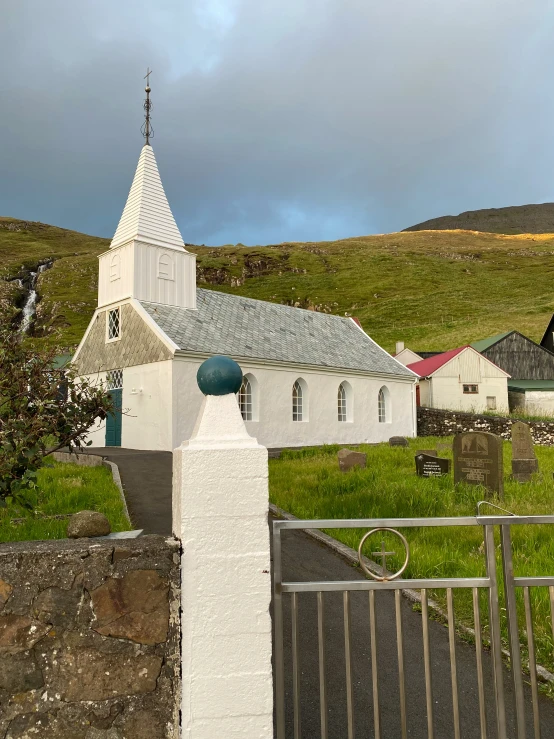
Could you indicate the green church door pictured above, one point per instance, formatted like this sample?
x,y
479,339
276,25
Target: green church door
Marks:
x,y
113,421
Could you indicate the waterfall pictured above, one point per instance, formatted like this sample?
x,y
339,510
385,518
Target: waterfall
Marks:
x,y
30,305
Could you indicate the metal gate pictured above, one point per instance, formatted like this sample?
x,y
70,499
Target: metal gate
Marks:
x,y
524,690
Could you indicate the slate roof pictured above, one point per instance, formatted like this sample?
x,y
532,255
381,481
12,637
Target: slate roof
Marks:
x,y
247,328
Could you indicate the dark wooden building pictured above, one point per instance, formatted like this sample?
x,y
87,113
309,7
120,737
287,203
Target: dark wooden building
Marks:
x,y
531,369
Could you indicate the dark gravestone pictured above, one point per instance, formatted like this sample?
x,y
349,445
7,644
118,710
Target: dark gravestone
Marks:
x,y
478,460
398,441
349,459
428,465
428,452
524,460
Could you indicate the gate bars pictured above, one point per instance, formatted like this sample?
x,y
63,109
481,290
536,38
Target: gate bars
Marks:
x,y
393,582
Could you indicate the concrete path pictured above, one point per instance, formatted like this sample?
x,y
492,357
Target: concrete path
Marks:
x,y
146,479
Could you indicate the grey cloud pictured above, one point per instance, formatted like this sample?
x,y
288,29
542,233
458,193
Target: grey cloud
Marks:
x,y
276,120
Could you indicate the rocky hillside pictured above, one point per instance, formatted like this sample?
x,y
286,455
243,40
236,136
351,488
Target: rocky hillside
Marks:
x,y
531,219
433,289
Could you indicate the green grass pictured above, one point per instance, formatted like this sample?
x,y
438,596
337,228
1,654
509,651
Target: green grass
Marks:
x,y
480,283
309,485
65,488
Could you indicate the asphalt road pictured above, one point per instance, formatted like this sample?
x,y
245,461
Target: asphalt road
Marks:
x,y
146,477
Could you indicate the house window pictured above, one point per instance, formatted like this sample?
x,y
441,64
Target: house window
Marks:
x,y
341,400
114,324
471,389
114,379
297,402
383,405
491,403
245,400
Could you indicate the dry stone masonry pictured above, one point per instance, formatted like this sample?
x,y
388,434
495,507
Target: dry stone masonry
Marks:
x,y
436,422
89,639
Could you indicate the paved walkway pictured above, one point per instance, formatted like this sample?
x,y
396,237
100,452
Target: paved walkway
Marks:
x,y
146,478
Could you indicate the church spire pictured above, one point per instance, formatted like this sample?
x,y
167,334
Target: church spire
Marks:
x,y
147,216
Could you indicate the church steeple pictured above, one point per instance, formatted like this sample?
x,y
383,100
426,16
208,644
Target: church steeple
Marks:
x,y
147,259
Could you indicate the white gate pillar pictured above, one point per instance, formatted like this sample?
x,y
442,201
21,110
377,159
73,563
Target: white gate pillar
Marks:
x,y
220,507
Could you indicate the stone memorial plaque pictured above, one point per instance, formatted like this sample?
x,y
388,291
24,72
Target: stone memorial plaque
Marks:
x,y
428,452
478,460
428,465
349,459
524,460
398,441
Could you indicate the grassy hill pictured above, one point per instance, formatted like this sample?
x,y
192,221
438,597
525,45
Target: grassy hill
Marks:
x,y
518,219
432,289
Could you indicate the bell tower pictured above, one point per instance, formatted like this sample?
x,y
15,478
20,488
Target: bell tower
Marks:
x,y
147,259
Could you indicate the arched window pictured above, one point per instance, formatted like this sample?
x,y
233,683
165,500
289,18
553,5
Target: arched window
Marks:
x,y
341,400
245,400
344,402
115,267
166,267
297,402
383,404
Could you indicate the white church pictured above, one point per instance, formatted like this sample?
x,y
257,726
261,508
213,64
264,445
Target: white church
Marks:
x,y
309,378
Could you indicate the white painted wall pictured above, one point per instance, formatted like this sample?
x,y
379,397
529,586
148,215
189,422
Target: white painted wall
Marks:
x,y
540,402
147,272
147,419
468,367
275,427
407,356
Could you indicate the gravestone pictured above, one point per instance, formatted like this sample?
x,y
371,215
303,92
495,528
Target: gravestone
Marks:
x,y
524,460
349,459
428,465
478,460
398,441
428,452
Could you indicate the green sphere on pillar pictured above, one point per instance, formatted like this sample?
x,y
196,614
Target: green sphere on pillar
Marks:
x,y
219,375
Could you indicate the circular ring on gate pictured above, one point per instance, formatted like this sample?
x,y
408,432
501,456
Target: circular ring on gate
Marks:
x,y
371,574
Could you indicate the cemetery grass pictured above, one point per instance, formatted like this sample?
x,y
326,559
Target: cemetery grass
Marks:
x,y
308,484
63,489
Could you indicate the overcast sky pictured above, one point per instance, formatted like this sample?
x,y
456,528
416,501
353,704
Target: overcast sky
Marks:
x,y
277,119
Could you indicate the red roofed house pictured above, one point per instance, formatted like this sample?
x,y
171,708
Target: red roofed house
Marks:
x,y
461,380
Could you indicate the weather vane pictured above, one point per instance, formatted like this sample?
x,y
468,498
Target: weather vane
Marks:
x,y
146,129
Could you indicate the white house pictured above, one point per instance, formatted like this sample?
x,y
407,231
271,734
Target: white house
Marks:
x,y
310,378
461,380
406,356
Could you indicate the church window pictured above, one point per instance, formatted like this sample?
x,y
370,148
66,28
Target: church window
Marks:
x,y
114,324
383,405
166,267
245,400
299,405
342,403
115,379
115,268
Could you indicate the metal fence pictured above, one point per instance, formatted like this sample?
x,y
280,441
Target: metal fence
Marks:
x,y
288,707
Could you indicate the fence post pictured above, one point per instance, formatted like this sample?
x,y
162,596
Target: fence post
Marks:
x,y
220,507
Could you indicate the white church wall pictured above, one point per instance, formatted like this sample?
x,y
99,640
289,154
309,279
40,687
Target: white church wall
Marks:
x,y
164,275
276,428
115,278
147,406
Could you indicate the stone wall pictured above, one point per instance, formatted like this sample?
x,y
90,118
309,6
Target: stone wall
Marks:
x,y
89,639
436,422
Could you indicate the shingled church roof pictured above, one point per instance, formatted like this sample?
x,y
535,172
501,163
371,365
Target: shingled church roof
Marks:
x,y
255,329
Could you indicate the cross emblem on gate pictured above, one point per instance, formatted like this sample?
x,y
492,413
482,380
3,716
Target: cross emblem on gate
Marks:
x,y
383,554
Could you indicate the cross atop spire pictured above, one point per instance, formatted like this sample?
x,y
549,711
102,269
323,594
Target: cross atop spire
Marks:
x,y
147,130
